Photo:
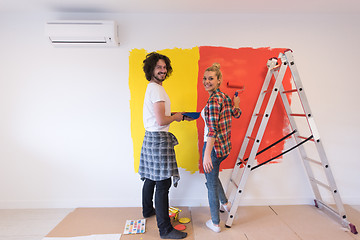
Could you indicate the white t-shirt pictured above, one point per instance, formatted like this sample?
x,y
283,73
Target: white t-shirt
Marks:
x,y
206,129
155,93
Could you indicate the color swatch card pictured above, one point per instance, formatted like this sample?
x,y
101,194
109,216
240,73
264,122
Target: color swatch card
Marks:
x,y
135,226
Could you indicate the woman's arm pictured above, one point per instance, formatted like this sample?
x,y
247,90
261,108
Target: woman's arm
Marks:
x,y
207,163
212,118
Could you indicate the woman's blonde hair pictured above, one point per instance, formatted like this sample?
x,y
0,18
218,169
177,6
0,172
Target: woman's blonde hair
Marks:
x,y
215,68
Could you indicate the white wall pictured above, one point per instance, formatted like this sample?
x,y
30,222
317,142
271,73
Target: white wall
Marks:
x,y
65,120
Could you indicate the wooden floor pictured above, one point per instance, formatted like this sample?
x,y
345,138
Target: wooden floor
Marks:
x,y
251,223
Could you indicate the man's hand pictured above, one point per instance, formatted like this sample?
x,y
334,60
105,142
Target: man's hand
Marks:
x,y
177,116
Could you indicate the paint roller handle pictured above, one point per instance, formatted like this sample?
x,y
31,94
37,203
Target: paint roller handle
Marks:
x,y
236,100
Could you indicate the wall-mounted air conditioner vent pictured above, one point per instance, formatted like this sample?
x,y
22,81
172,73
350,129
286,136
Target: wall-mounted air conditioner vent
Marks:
x,y
82,33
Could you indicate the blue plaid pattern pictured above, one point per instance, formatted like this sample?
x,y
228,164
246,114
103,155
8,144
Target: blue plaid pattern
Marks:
x,y
157,159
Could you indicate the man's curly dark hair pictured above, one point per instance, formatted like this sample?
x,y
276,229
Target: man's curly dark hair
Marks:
x,y
150,63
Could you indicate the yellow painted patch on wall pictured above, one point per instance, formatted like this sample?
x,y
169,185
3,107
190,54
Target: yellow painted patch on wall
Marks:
x,y
181,87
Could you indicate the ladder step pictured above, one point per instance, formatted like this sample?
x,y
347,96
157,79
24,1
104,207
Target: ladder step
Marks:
x,y
297,115
329,208
251,138
320,183
233,182
290,91
261,115
306,138
313,161
277,66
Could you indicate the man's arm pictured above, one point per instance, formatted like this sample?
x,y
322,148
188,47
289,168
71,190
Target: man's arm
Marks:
x,y
161,119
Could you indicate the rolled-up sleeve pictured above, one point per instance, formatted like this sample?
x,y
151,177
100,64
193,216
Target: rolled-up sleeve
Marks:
x,y
212,115
236,112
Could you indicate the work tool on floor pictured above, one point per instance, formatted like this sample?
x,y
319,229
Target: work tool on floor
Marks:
x,y
244,166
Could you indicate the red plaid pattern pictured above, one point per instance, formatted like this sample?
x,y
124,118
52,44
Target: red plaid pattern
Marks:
x,y
218,112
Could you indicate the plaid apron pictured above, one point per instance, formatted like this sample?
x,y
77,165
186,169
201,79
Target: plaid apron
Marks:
x,y
157,159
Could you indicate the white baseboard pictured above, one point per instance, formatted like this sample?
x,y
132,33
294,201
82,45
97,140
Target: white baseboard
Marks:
x,y
71,203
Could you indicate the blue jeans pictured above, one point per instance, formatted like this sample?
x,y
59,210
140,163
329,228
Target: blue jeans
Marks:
x,y
216,192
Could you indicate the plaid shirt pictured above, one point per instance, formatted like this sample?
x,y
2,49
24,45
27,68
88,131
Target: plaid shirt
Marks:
x,y
157,159
218,112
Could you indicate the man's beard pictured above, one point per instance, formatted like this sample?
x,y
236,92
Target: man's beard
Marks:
x,y
160,79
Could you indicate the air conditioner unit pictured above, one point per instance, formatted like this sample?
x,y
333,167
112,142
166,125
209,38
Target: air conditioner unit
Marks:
x,y
82,33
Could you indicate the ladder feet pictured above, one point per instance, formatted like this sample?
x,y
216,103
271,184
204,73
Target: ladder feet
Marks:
x,y
353,228
227,226
316,204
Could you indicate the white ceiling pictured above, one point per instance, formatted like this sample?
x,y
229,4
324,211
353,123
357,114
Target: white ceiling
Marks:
x,y
183,6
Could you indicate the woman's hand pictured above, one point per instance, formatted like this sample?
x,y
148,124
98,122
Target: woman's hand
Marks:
x,y
236,101
207,163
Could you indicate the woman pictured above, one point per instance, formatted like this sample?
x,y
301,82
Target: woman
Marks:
x,y
217,145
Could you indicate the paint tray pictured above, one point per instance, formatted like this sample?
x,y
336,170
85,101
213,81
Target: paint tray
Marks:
x,y
193,115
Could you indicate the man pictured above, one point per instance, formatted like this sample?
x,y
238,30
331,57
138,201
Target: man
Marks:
x,y
157,160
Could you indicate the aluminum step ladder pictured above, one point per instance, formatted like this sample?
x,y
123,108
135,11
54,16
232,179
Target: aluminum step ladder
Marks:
x,y
277,68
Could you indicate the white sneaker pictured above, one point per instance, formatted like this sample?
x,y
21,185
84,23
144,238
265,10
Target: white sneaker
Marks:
x,y
211,225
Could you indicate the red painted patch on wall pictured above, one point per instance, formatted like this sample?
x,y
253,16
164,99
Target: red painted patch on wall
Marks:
x,y
247,67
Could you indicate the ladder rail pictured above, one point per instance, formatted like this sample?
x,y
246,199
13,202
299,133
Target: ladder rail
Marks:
x,y
301,148
318,143
268,110
230,187
303,99
251,160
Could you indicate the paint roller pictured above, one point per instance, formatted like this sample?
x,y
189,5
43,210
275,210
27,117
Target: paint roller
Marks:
x,y
240,87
